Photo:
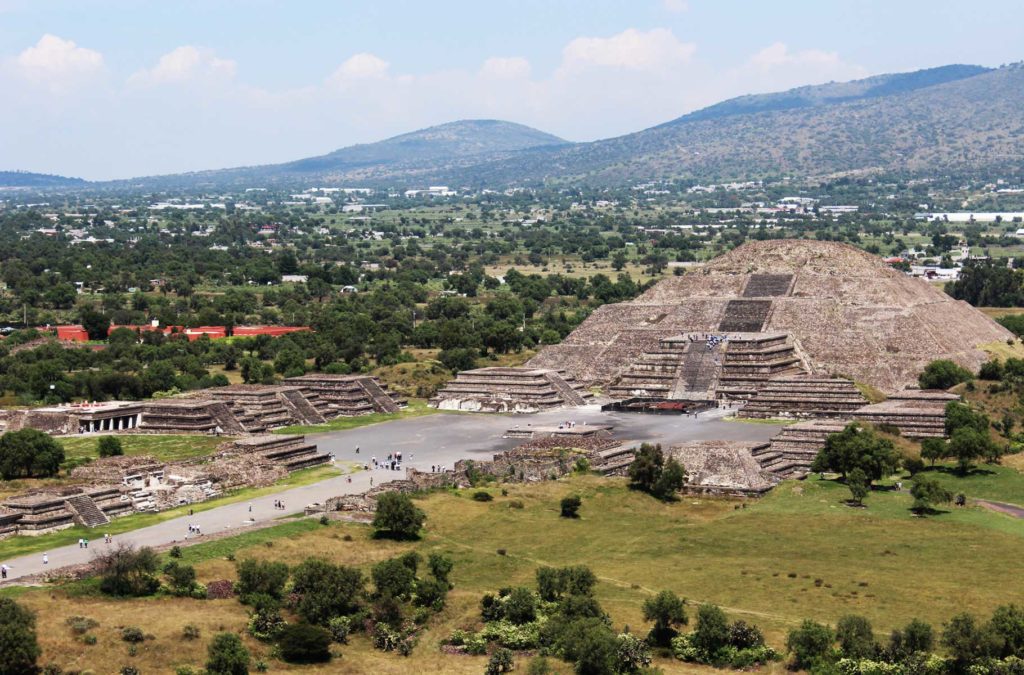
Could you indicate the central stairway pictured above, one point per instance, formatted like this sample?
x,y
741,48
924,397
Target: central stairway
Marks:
x,y
85,512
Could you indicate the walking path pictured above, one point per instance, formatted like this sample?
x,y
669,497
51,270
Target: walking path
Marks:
x,y
432,440
1002,507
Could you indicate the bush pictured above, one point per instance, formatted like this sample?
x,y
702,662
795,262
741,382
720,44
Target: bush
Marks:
x,y
182,578
81,624
520,606
339,628
440,566
19,649
632,654
190,632
943,374
128,572
263,577
515,504
304,643
809,643
570,506
266,625
500,662
855,637
397,517
109,446
132,634
712,632
227,655
482,496
393,577
29,453
913,465
325,591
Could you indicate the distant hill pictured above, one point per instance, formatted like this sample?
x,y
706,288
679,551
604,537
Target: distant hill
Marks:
x,y
441,148
25,179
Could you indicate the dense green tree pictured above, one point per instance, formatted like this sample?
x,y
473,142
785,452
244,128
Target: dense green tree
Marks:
x,y
856,639
19,649
261,577
857,482
927,492
109,446
857,447
29,453
304,643
393,577
943,374
520,606
916,637
969,641
127,571
397,516
667,611
712,631
325,591
809,643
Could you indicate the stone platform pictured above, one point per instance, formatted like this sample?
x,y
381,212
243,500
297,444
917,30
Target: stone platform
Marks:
x,y
518,390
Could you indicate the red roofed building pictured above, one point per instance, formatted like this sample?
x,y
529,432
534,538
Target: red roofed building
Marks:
x,y
73,333
273,331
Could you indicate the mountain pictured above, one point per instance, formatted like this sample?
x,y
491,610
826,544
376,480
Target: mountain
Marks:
x,y
927,122
433,150
25,179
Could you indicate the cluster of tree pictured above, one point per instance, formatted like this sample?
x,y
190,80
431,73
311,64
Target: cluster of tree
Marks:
x,y
331,601
969,440
988,283
943,374
995,646
650,472
29,453
860,457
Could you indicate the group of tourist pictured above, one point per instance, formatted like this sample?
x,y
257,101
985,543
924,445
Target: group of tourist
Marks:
x,y
193,529
393,462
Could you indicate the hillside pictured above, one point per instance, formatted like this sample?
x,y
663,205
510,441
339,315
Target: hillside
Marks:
x,y
26,179
432,151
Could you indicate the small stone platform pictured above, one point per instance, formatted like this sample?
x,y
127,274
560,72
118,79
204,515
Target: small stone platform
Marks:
x,y
517,390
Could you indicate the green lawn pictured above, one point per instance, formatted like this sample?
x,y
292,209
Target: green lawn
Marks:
x,y
416,408
167,448
13,547
985,481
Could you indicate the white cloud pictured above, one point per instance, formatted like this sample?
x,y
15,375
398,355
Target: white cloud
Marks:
x,y
777,67
186,64
57,62
631,49
778,55
361,66
675,6
498,67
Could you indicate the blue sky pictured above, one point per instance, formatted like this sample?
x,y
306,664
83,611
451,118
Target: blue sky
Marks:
x,y
115,88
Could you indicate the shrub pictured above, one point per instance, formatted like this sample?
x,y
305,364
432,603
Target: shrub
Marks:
x,y
19,649
132,634
712,632
520,606
943,374
482,496
431,593
125,571
538,666
913,465
745,636
855,637
129,670
325,591
89,639
500,662
266,625
809,643
81,624
339,628
109,446
632,654
304,643
227,655
190,632
385,638
182,578
515,504
570,506
397,517
440,566
393,577
261,577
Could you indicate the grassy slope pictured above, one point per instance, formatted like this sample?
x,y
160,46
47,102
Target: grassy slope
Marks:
x,y
167,448
762,563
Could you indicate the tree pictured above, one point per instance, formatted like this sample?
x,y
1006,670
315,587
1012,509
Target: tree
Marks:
x,y
712,631
227,656
181,578
520,606
109,446
304,643
397,517
927,491
570,506
393,577
440,566
95,323
126,571
960,416
857,447
19,649
933,449
29,453
458,359
943,374
591,644
261,577
968,641
671,480
857,481
501,661
326,591
855,637
916,637
968,444
809,643
646,467
667,611
1008,624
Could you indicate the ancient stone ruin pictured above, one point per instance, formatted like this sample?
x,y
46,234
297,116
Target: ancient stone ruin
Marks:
x,y
232,410
117,486
518,390
723,468
844,312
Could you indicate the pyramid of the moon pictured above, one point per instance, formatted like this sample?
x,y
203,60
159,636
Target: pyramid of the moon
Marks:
x,y
844,311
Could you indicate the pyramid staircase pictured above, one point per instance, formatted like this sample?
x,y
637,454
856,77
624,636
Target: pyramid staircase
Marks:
x,y
381,401
804,397
85,511
791,453
289,452
500,389
569,395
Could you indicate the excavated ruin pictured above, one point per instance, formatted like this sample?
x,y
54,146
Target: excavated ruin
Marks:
x,y
842,311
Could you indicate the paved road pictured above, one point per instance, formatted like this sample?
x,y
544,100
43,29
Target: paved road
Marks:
x,y
424,441
1002,507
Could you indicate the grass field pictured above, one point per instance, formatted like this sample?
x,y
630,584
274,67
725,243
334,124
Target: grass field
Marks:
x,y
166,448
799,552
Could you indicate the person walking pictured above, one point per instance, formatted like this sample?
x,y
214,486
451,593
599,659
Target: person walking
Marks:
x,y
85,543
46,558
250,507
3,571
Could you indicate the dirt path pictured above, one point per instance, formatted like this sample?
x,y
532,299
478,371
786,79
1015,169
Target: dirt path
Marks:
x,y
1001,507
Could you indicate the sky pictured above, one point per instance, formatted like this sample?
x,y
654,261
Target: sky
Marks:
x,y
105,89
